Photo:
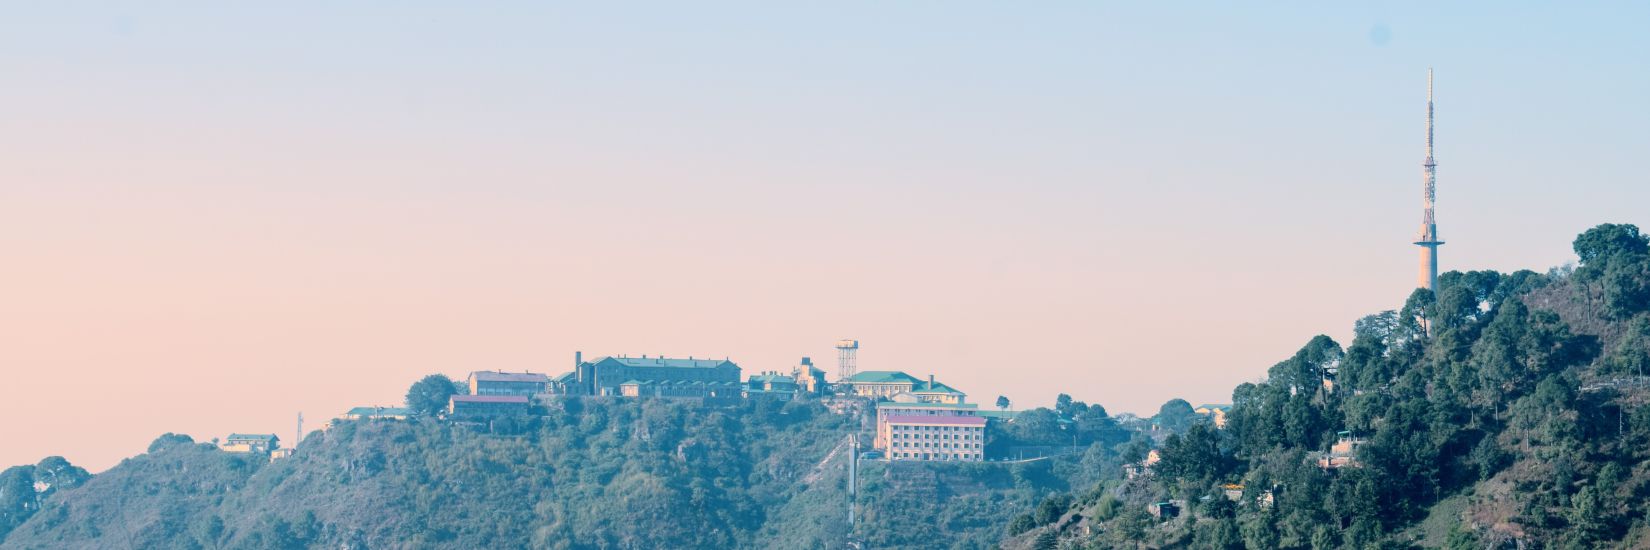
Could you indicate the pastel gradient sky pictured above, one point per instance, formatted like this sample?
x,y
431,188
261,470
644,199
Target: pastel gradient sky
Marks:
x,y
213,217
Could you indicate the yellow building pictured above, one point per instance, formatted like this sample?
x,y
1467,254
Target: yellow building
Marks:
x,y
250,443
1216,413
887,384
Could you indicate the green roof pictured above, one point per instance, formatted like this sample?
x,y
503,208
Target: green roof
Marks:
x,y
253,437
936,387
881,377
382,411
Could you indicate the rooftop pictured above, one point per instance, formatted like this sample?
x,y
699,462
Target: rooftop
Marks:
x,y
898,405
924,386
252,437
881,377
368,411
501,376
938,420
689,363
490,399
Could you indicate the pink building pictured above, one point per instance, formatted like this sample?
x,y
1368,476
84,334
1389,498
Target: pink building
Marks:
x,y
933,437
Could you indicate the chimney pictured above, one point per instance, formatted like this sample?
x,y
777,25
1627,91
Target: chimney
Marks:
x,y
578,359
930,381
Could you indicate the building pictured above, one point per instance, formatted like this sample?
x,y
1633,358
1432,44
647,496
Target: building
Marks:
x,y
1215,413
1143,468
880,384
562,384
809,378
278,454
377,413
890,409
487,405
657,376
935,392
1343,454
771,384
934,437
525,384
250,443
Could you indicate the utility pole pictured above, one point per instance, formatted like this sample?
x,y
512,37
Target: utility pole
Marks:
x,y
853,479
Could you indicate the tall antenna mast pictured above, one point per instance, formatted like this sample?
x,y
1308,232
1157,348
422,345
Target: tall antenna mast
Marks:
x,y
1428,237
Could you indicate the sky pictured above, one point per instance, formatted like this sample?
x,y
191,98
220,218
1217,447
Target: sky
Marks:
x,y
214,216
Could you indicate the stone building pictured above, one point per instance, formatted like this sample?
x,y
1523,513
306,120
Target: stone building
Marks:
x,y
525,384
656,377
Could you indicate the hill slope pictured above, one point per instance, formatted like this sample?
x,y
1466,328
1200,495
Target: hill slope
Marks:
x,y
1507,410
592,474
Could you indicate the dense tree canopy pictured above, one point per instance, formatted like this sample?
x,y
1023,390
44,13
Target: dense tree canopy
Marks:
x,y
429,395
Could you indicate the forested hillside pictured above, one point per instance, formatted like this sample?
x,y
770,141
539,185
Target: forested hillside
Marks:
x,y
592,473
1511,411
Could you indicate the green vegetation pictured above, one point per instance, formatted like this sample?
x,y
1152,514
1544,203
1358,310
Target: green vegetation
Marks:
x,y
428,396
585,473
1504,410
1512,408
23,489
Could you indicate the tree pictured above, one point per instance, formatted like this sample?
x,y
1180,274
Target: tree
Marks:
x,y
1062,405
1002,402
58,473
1175,415
168,440
1609,240
429,395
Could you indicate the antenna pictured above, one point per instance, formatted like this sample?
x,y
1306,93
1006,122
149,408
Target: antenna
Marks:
x,y
300,438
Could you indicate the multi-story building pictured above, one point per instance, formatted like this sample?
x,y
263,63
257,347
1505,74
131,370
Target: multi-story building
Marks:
x,y
771,384
486,405
809,378
878,384
889,409
657,376
935,437
250,443
525,384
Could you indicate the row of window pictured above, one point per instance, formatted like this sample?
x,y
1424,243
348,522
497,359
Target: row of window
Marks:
x,y
937,436
938,456
937,445
898,427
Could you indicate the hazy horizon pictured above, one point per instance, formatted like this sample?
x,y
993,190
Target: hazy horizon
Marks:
x,y
216,217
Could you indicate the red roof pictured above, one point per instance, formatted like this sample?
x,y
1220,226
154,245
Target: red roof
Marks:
x,y
938,420
490,399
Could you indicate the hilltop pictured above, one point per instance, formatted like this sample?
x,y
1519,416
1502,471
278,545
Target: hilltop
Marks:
x,y
591,473
1508,410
